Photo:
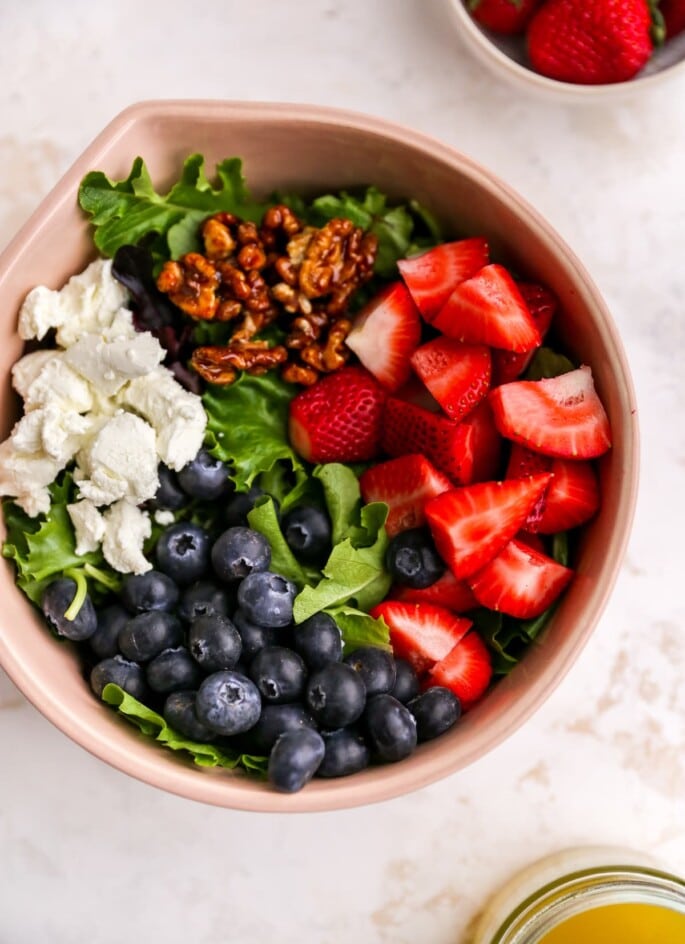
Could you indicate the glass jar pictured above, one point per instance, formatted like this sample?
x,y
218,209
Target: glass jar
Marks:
x,y
578,888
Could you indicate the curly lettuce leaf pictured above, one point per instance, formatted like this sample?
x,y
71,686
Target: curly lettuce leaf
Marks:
x,y
247,426
153,725
342,496
355,572
548,363
44,548
359,629
126,211
263,518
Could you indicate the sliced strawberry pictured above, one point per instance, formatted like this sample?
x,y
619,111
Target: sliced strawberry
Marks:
x,y
432,276
421,633
385,334
558,416
571,499
467,452
522,463
405,485
472,524
458,375
466,670
520,581
489,309
508,365
531,540
455,595
339,418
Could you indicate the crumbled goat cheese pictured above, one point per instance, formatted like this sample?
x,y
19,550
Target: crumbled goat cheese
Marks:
x,y
86,303
102,399
164,517
89,525
126,530
178,417
119,462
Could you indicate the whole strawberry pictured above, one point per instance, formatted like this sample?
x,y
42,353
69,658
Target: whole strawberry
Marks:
x,y
673,12
339,418
590,42
503,16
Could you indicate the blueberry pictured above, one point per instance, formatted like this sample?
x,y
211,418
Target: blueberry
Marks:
x,y
279,674
267,599
121,672
346,753
179,713
214,642
376,667
205,477
228,703
151,591
239,552
413,560
390,728
274,721
146,635
307,531
173,670
105,640
183,552
56,600
204,598
318,640
254,637
435,711
169,494
239,505
294,759
335,695
406,684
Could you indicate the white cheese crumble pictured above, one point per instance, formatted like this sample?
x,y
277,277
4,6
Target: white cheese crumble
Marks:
x,y
86,303
178,417
103,400
126,530
89,525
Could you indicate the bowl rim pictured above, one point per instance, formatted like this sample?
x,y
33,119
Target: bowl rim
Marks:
x,y
186,781
475,39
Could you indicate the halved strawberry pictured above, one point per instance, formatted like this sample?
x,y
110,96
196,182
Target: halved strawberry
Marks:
x,y
466,670
558,416
571,499
489,309
339,418
385,334
542,304
405,485
455,595
432,276
467,452
520,581
471,525
458,375
421,633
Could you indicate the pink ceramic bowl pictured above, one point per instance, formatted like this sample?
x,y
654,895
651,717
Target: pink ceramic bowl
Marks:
x,y
313,149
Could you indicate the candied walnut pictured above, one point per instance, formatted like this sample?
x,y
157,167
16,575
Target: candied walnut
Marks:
x,y
333,353
247,288
191,284
279,225
219,365
299,374
218,236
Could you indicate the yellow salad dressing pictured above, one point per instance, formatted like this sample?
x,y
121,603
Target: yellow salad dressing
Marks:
x,y
629,923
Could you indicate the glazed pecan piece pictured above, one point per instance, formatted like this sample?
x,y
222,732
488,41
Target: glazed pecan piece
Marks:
x,y
191,284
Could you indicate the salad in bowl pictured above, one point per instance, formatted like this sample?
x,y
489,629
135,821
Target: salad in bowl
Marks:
x,y
299,476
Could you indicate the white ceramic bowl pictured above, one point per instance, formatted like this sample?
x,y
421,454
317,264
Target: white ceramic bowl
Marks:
x,y
506,57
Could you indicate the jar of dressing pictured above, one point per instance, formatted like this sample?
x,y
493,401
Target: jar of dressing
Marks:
x,y
589,895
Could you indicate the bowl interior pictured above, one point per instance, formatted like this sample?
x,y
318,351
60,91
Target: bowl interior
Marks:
x,y
309,149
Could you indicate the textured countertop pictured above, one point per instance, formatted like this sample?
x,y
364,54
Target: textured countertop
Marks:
x,y
88,854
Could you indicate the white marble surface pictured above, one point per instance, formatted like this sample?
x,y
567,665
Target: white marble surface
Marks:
x,y
87,854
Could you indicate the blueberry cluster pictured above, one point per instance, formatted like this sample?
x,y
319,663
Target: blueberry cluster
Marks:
x,y
208,636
